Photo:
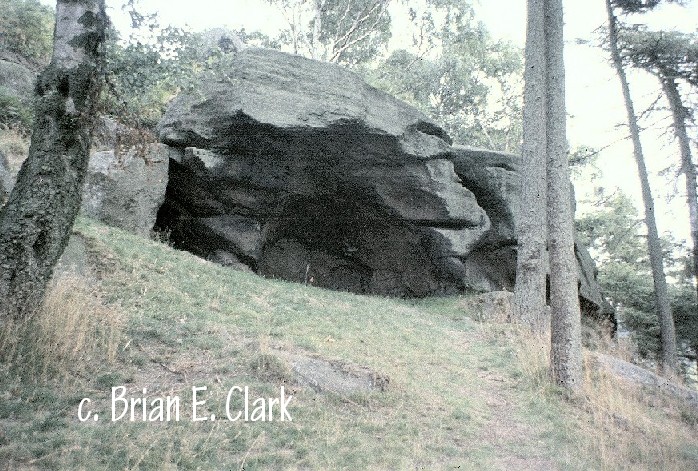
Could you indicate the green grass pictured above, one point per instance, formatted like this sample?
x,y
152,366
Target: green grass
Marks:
x,y
461,395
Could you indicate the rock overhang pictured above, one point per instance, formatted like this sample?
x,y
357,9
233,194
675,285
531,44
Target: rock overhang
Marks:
x,y
302,171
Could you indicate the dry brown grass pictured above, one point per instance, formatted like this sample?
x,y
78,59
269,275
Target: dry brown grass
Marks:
x,y
74,332
625,426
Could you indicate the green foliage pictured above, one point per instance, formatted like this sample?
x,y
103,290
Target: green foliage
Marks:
x,y
142,70
146,70
664,53
640,6
456,74
348,32
348,44
14,112
685,314
583,156
139,82
612,230
612,233
26,28
149,67
635,6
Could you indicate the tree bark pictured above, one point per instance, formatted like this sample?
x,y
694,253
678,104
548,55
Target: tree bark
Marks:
x,y
316,46
668,360
680,116
530,287
565,321
35,223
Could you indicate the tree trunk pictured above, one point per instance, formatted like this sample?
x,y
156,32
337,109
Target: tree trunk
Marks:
x,y
35,223
315,46
530,288
680,115
565,321
666,319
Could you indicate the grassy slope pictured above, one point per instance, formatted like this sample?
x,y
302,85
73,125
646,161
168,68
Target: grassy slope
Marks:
x,y
461,394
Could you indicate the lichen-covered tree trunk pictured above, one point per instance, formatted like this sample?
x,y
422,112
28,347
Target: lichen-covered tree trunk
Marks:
x,y
530,288
666,319
565,321
680,116
35,223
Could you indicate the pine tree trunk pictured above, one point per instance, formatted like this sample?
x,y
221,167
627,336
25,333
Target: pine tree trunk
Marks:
x,y
35,223
666,319
680,115
565,321
530,288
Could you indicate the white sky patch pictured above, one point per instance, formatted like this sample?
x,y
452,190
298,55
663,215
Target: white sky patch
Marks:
x,y
596,112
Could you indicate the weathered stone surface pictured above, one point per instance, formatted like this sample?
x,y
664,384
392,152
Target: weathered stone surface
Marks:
x,y
7,180
494,179
291,93
342,186
340,378
641,377
301,171
17,77
593,301
127,190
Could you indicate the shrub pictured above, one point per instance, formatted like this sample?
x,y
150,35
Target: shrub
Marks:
x,y
26,28
14,113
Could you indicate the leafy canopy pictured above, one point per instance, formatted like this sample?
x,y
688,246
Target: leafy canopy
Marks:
x,y
459,76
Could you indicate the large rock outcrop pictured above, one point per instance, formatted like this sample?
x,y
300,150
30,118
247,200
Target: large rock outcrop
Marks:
x,y
494,179
302,171
299,170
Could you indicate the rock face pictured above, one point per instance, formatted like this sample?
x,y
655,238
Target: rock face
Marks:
x,y
6,179
125,184
647,379
495,180
299,170
17,77
302,171
493,177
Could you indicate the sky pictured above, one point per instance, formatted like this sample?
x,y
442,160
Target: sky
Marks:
x,y
596,113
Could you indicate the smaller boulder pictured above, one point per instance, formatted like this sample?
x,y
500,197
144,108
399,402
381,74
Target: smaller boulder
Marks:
x,y
126,191
17,77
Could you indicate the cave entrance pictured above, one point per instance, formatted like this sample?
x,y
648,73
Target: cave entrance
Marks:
x,y
344,243
320,240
